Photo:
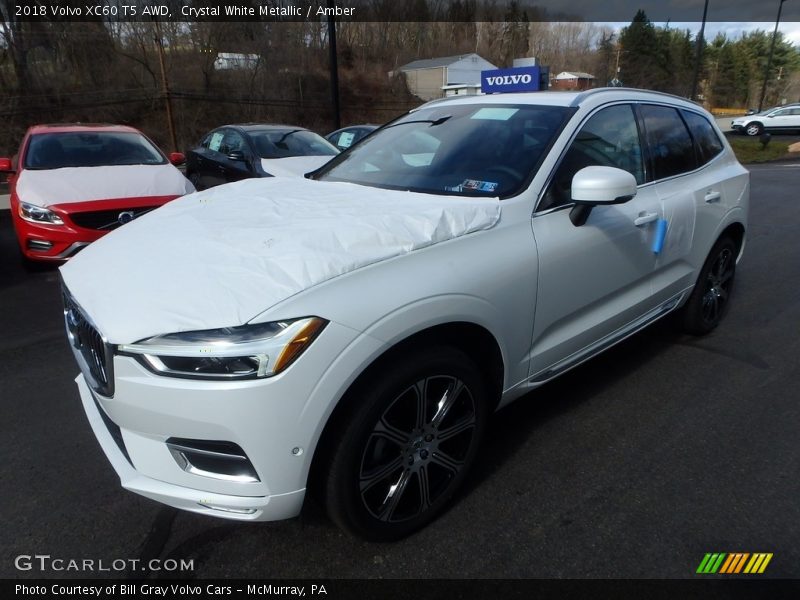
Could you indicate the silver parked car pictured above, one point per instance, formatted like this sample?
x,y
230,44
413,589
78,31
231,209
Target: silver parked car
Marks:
x,y
352,333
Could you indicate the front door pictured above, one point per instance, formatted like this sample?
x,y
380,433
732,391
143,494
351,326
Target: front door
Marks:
x,y
594,280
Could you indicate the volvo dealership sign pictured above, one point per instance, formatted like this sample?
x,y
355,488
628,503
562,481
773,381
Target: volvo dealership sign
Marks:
x,y
520,79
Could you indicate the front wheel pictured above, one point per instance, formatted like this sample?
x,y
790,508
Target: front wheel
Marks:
x,y
711,296
753,129
412,435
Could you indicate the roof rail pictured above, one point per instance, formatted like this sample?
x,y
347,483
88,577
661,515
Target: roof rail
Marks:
x,y
593,92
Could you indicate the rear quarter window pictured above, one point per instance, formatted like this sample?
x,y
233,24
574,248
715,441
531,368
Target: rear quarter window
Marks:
x,y
705,137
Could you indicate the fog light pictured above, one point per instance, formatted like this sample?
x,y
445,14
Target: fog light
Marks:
x,y
39,245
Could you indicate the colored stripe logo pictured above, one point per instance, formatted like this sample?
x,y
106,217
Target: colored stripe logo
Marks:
x,y
734,563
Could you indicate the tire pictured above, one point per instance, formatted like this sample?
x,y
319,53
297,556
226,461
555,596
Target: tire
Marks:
x,y
710,299
753,129
401,453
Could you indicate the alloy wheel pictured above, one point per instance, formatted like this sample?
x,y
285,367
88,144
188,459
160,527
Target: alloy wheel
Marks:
x,y
718,287
417,448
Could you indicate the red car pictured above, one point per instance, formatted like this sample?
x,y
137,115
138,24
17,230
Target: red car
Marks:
x,y
72,184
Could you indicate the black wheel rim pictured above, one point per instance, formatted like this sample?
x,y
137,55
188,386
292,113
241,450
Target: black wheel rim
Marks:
x,y
417,448
718,287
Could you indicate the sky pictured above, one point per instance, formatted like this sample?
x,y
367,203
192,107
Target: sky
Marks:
x,y
658,11
790,30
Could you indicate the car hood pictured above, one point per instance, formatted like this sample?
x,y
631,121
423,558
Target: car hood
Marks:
x,y
220,257
293,166
81,184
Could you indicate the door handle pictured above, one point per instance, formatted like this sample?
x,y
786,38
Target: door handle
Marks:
x,y
644,219
713,197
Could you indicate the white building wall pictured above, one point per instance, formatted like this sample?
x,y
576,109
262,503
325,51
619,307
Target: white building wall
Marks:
x,y
468,70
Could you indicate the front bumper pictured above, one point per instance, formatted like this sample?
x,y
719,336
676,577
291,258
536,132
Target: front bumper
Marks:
x,y
245,508
276,422
57,243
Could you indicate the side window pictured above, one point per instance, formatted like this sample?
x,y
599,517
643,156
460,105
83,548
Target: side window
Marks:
x,y
706,139
669,141
609,138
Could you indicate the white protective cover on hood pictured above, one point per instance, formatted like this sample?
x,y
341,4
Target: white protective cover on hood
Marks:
x,y
220,257
81,184
293,166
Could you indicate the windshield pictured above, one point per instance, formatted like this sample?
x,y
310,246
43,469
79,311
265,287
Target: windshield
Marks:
x,y
470,150
291,142
90,149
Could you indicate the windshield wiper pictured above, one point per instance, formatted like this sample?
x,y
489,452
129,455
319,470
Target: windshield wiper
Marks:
x,y
285,135
433,122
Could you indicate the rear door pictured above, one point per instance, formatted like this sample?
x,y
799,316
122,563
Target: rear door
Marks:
x,y
784,119
594,280
681,184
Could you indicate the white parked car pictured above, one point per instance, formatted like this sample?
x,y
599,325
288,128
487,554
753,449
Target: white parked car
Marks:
x,y
777,119
351,334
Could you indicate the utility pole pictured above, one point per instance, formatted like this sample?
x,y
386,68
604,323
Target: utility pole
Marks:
x,y
699,54
769,60
334,66
165,87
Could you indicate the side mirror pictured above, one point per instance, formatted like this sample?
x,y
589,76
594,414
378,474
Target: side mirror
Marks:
x,y
599,185
6,166
237,155
177,158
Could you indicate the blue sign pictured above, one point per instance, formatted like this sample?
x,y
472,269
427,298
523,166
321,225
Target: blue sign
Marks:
x,y
521,79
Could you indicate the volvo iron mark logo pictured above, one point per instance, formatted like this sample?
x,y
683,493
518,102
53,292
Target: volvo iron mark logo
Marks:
x,y
125,216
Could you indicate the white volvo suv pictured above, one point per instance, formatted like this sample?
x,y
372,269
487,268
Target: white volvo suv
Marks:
x,y
351,332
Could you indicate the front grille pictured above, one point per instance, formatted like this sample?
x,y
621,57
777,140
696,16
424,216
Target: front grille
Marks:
x,y
106,220
94,355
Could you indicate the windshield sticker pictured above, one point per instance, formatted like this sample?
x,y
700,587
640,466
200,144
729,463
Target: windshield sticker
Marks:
x,y
473,185
216,142
478,186
346,139
495,114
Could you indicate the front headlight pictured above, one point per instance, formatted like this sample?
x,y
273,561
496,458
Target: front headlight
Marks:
x,y
243,352
37,214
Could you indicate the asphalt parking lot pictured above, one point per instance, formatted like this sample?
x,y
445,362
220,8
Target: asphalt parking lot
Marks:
x,y
634,465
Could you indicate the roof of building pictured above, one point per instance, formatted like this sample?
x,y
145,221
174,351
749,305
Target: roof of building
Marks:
x,y
432,63
574,75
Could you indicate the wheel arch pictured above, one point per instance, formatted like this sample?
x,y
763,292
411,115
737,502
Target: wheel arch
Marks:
x,y
474,340
754,122
736,232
